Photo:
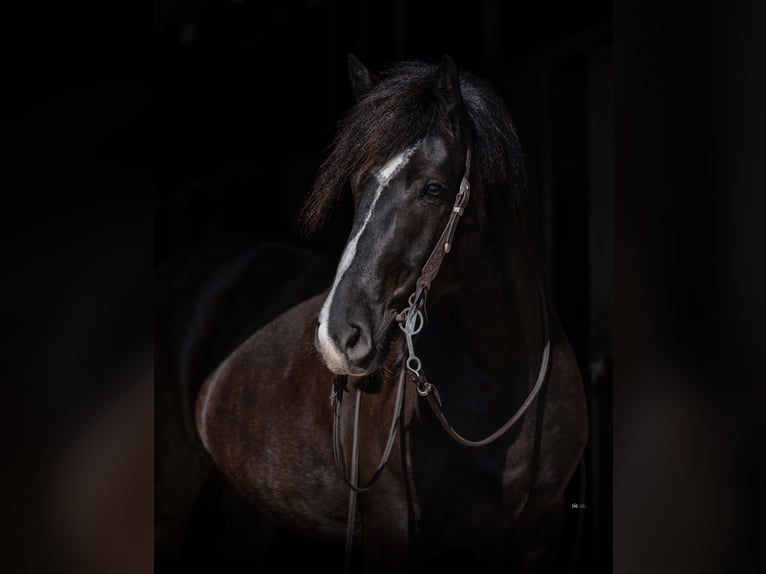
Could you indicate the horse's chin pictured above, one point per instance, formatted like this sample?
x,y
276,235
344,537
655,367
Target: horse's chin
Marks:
x,y
354,371
345,368
376,364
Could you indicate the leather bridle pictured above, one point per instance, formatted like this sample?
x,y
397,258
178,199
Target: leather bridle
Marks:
x,y
411,321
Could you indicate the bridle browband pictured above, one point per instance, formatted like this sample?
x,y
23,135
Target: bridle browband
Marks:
x,y
411,320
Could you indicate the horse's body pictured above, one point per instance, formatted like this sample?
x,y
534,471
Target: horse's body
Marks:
x,y
264,414
204,312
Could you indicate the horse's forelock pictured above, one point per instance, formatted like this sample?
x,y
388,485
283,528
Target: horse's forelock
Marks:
x,y
380,125
397,113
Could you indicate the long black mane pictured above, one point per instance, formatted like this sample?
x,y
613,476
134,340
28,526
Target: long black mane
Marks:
x,y
398,112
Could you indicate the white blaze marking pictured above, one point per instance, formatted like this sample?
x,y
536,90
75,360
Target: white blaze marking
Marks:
x,y
332,356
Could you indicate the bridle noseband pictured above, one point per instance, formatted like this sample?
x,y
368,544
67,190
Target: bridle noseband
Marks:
x,y
411,321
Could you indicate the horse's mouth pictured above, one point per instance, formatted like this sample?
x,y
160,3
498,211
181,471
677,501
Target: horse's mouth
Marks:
x,y
385,336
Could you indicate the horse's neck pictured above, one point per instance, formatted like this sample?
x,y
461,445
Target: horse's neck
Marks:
x,y
497,313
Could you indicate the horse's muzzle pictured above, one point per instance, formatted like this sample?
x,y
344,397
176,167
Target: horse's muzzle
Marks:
x,y
347,348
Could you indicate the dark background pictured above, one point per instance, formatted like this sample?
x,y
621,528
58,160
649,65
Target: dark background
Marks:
x,y
106,116
249,95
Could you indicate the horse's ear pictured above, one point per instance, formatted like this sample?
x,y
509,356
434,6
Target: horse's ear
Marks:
x,y
362,80
447,91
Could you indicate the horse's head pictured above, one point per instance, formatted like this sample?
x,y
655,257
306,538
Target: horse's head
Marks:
x,y
402,151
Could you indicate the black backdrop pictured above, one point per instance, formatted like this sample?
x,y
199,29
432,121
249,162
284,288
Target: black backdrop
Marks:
x,y
93,122
248,97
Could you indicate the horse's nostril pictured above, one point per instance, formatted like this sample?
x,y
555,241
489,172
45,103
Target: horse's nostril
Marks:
x,y
357,344
353,337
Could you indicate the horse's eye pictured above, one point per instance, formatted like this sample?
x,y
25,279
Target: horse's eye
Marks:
x,y
433,189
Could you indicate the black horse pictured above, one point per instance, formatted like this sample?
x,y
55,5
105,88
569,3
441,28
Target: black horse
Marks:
x,y
434,328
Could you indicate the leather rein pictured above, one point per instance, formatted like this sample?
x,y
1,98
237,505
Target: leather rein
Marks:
x,y
411,321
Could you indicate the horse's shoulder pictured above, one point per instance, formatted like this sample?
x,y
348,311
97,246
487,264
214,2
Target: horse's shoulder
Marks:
x,y
283,344
293,325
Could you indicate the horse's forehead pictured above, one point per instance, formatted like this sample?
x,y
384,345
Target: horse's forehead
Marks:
x,y
438,155
435,149
429,150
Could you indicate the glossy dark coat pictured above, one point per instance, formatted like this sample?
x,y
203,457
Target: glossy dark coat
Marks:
x,y
264,414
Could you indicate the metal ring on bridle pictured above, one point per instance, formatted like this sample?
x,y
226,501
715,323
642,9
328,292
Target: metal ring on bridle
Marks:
x,y
423,387
414,327
416,360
